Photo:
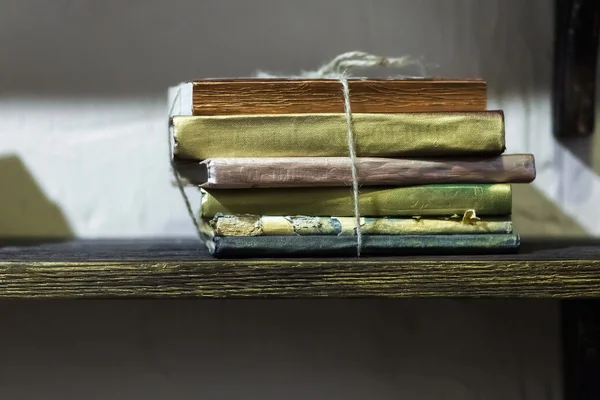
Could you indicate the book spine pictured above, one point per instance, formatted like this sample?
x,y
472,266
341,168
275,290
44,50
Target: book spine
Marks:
x,y
345,246
239,173
374,201
255,225
273,96
324,135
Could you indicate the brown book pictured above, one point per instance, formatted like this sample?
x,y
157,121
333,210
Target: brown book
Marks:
x,y
238,173
297,96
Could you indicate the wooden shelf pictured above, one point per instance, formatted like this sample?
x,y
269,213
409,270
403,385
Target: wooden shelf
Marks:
x,y
182,268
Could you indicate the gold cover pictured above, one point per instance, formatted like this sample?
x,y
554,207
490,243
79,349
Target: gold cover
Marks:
x,y
256,225
317,135
441,200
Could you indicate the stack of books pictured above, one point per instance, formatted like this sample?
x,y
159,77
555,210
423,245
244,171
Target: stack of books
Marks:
x,y
272,159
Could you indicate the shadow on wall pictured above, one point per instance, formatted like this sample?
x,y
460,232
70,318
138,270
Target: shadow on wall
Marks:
x,y
25,211
533,215
587,149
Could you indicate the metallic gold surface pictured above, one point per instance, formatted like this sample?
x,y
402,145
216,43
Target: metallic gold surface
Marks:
x,y
377,135
287,246
256,225
442,200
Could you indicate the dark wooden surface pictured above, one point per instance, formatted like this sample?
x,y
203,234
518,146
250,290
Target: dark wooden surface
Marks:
x,y
183,268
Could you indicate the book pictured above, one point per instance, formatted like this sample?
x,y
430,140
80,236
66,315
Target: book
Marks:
x,y
243,173
300,225
289,96
375,201
345,246
320,135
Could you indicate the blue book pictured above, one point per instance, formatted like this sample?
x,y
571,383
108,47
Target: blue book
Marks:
x,y
375,245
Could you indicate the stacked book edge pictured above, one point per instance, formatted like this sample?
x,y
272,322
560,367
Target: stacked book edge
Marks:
x,y
271,156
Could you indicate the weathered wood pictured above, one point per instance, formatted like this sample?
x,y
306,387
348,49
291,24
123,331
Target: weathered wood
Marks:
x,y
282,96
237,173
182,268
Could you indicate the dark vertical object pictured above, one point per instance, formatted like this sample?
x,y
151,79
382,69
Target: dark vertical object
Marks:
x,y
581,349
575,56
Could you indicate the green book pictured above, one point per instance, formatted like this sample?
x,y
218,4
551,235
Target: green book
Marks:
x,y
425,200
325,135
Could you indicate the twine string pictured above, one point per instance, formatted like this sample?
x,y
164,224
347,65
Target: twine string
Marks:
x,y
180,184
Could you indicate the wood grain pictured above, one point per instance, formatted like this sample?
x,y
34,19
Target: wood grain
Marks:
x,y
182,268
244,173
286,96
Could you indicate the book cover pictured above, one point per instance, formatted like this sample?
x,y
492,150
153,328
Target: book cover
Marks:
x,y
244,173
301,225
425,200
290,96
345,246
320,135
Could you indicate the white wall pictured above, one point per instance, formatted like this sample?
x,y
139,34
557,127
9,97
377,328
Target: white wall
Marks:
x,y
82,105
82,88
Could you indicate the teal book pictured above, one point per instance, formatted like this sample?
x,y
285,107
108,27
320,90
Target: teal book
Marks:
x,y
345,246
